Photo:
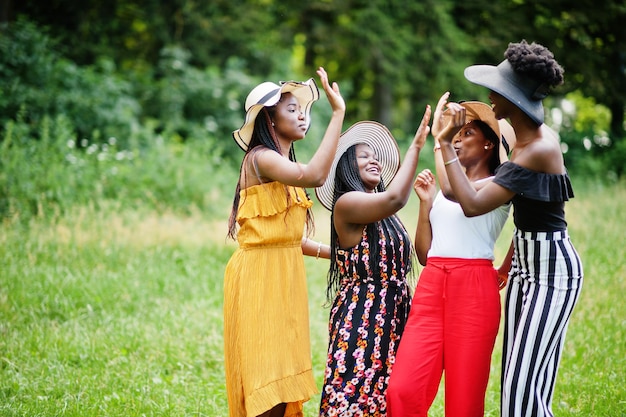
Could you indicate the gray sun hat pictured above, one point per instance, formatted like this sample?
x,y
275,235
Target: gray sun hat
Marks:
x,y
380,139
525,92
267,94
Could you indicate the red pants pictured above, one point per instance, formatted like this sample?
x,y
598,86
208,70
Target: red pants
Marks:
x,y
452,325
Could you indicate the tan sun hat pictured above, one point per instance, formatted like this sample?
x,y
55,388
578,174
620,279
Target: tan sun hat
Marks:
x,y
267,94
477,110
379,138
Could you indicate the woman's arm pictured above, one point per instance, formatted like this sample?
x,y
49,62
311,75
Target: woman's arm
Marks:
x,y
275,166
360,208
425,189
473,202
503,270
438,125
315,248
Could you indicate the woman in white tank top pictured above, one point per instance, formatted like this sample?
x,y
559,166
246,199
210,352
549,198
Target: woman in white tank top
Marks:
x,y
455,313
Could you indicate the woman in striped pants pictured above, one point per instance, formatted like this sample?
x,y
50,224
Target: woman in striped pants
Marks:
x,y
545,272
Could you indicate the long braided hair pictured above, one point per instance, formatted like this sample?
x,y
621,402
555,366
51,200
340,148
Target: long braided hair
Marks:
x,y
347,178
263,136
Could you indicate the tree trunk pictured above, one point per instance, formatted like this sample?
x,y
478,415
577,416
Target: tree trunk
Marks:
x,y
6,11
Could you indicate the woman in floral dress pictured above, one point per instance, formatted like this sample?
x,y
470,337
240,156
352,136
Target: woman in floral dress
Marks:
x,y
371,257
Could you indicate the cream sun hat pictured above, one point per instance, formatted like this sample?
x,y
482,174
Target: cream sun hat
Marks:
x,y
379,138
267,94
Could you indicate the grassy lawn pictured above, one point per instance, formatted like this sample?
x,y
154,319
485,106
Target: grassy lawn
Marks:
x,y
120,314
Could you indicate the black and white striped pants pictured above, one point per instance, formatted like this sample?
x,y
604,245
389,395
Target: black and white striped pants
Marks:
x,y
544,284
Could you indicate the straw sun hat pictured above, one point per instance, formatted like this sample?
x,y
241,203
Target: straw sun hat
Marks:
x,y
379,138
267,94
477,110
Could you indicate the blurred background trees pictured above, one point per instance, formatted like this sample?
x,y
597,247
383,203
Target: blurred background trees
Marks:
x,y
143,71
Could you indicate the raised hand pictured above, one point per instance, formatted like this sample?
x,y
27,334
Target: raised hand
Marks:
x,y
438,122
425,186
422,130
455,123
332,93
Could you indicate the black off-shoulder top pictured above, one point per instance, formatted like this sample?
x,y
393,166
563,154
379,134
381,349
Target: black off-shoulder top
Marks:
x,y
539,203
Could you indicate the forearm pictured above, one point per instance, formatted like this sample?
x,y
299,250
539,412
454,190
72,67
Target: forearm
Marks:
x,y
318,167
459,184
507,261
400,188
315,248
423,233
442,175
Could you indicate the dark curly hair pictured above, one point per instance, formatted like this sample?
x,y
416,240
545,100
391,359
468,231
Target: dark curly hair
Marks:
x,y
535,61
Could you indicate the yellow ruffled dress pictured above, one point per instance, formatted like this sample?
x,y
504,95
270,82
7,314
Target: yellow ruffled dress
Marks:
x,y
266,314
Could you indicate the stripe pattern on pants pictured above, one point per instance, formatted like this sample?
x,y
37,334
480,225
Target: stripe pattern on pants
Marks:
x,y
544,285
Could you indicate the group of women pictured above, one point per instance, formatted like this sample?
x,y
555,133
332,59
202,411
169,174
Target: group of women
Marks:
x,y
390,343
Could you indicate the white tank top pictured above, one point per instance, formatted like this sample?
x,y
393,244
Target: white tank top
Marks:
x,y
458,236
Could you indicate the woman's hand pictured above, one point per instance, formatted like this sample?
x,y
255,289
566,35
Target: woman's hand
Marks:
x,y
332,93
503,278
438,114
422,131
456,121
425,186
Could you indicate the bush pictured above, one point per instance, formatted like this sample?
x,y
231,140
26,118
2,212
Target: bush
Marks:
x,y
36,82
49,176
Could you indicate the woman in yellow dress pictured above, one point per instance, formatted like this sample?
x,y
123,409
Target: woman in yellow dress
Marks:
x,y
266,323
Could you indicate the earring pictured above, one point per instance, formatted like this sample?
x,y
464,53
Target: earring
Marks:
x,y
486,147
273,126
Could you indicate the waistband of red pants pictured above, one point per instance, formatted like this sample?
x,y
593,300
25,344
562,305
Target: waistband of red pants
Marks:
x,y
440,262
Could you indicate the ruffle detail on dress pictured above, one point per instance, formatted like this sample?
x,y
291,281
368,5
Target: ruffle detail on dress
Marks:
x,y
534,185
294,391
272,198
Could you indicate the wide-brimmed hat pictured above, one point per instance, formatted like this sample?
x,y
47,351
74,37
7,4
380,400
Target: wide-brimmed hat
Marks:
x,y
477,110
267,94
379,138
525,92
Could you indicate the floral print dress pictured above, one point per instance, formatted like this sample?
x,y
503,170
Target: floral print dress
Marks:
x,y
367,319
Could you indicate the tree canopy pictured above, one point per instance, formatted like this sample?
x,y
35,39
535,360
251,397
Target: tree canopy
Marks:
x,y
391,56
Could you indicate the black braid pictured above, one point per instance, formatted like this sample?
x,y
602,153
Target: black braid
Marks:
x,y
263,135
347,178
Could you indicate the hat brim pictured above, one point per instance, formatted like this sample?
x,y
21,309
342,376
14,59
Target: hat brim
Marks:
x,y
306,93
504,81
477,110
379,138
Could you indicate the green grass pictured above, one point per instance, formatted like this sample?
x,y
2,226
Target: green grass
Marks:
x,y
115,313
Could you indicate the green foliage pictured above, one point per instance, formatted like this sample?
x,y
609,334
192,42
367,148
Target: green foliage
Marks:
x,y
588,146
36,83
48,177
111,320
119,313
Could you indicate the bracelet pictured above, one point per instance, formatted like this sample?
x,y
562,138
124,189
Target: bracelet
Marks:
x,y
437,147
451,161
319,249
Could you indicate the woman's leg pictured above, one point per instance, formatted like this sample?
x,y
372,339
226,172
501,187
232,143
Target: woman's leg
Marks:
x,y
417,369
545,289
471,325
278,411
